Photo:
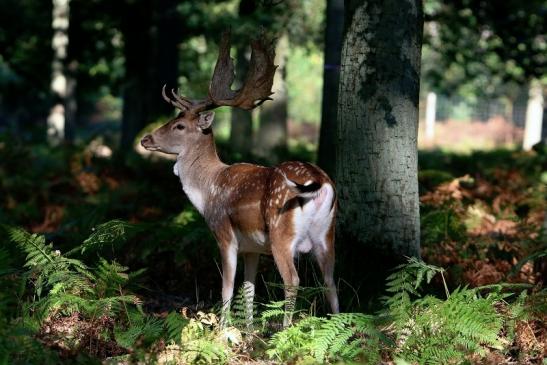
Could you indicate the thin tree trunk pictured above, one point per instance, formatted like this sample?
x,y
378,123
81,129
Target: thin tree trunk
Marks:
x,y
376,155
273,134
137,42
71,102
241,131
166,36
57,119
331,76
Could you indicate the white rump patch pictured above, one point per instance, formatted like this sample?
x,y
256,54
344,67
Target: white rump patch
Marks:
x,y
312,221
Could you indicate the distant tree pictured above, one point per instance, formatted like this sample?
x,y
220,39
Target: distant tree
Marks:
x,y
491,49
331,76
295,24
273,130
241,131
484,45
136,24
25,67
376,154
167,32
61,115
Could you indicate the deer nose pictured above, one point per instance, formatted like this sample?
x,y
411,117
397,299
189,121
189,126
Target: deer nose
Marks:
x,y
147,140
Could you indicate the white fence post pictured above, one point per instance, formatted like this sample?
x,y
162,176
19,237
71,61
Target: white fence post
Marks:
x,y
430,107
534,116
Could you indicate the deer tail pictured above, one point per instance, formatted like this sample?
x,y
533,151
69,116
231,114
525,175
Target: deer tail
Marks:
x,y
309,189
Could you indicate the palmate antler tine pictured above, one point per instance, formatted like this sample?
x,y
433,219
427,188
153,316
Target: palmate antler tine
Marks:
x,y
257,87
187,104
171,101
223,75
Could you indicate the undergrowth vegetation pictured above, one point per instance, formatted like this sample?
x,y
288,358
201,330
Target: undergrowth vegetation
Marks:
x,y
87,311
103,260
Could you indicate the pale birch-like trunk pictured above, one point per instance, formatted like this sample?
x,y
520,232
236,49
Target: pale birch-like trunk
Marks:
x,y
534,116
377,157
57,118
272,134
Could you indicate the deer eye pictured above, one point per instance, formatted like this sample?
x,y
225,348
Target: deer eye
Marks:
x,y
180,127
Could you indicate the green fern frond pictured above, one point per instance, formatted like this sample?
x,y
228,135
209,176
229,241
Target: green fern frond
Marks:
x,y
174,323
140,327
114,232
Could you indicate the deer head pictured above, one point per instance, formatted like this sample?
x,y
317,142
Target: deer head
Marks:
x,y
193,124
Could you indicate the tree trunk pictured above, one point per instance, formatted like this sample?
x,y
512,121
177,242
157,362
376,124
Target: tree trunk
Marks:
x,y
272,133
61,84
331,77
166,35
136,26
376,155
241,131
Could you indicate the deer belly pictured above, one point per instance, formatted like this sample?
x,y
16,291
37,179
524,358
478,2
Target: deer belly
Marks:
x,y
255,242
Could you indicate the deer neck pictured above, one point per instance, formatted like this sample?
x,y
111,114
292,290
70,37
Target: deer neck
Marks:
x,y
198,169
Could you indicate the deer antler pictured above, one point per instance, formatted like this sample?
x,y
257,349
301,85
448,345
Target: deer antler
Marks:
x,y
256,89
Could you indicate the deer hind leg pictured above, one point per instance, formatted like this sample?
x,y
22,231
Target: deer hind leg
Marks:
x,y
229,264
284,259
251,264
323,250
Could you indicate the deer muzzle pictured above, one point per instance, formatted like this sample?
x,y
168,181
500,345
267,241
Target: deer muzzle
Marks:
x,y
148,143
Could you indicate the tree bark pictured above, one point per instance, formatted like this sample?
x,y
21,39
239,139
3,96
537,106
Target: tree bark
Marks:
x,y
331,76
273,134
376,154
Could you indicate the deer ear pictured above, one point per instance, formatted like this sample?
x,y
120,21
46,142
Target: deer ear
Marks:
x,y
206,119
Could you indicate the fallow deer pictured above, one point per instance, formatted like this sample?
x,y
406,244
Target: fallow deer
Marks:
x,y
251,209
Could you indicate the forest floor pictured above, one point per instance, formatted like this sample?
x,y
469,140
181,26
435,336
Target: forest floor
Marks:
x,y
122,269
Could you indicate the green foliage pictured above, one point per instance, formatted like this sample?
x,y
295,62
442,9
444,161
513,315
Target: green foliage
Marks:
x,y
441,225
174,324
51,270
429,179
304,74
64,286
114,232
412,328
140,327
202,341
415,329
431,330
